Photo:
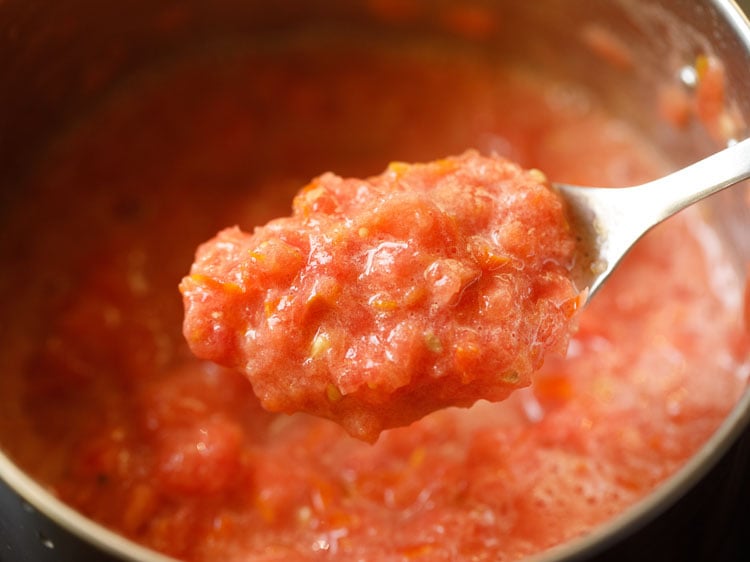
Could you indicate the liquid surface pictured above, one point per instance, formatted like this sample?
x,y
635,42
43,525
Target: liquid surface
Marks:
x,y
381,300
103,401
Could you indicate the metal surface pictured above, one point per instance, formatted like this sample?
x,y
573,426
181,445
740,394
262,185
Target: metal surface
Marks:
x,y
37,527
58,58
611,221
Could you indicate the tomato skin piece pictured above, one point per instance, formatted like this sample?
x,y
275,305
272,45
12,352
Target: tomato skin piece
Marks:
x,y
369,304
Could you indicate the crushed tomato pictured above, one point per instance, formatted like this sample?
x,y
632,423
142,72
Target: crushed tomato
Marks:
x,y
103,402
381,300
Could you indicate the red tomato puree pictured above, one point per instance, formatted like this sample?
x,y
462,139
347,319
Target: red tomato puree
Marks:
x,y
381,300
102,400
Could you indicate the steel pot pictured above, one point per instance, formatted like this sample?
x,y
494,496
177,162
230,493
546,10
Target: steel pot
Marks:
x,y
58,58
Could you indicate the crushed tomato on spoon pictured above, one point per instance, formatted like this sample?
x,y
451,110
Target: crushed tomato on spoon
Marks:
x,y
381,300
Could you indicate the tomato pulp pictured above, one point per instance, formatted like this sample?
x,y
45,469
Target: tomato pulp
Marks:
x,y
103,402
381,300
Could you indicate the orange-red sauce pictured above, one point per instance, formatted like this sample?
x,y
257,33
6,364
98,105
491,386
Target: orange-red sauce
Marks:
x,y
102,400
381,300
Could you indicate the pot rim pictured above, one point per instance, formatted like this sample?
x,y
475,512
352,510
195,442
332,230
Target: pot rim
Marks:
x,y
593,542
707,457
44,501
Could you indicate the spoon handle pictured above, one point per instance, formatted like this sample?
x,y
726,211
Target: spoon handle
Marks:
x,y
670,194
609,221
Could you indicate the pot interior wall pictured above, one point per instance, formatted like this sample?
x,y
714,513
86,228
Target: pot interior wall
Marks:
x,y
58,59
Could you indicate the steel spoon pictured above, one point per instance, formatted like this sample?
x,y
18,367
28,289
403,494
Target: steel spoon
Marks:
x,y
610,221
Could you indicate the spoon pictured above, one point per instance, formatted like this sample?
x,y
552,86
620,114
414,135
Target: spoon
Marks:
x,y
610,221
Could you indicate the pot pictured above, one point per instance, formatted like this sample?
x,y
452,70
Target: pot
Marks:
x,y
57,60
